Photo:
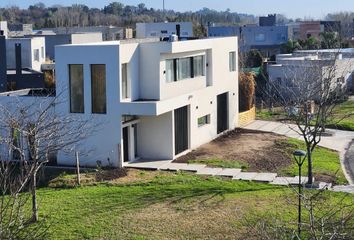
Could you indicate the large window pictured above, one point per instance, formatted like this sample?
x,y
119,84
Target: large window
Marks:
x,y
232,61
76,82
125,82
259,37
36,54
98,88
184,68
198,66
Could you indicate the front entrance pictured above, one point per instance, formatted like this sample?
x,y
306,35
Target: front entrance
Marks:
x,y
181,129
126,144
222,112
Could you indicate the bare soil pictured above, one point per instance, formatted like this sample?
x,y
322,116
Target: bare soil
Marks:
x,y
260,151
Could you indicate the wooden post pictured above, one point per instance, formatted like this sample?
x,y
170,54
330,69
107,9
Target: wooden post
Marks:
x,y
78,168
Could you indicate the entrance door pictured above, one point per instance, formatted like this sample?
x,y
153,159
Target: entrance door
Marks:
x,y
222,112
181,129
126,144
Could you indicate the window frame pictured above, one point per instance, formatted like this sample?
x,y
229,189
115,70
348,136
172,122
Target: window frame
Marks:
x,y
70,89
203,120
105,91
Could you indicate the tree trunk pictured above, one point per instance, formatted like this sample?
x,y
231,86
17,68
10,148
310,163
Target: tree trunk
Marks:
x,y
309,161
34,198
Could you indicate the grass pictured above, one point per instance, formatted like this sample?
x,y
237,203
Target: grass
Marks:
x,y
221,163
343,116
326,163
165,206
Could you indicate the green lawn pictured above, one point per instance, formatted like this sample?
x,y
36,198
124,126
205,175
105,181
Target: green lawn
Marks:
x,y
157,205
343,116
326,163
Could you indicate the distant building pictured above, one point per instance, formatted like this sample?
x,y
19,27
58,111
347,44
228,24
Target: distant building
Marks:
x,y
19,30
269,21
164,29
15,76
32,52
109,33
265,39
293,70
304,30
52,40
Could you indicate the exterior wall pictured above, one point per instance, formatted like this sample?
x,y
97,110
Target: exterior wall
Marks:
x,y
28,45
276,35
105,139
312,29
224,31
148,30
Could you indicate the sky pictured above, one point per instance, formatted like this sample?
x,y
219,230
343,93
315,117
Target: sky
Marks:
x,y
291,8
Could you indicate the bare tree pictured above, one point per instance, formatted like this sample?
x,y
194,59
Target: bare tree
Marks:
x,y
32,133
308,89
323,218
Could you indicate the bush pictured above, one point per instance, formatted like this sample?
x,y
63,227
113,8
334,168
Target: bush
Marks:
x,y
247,88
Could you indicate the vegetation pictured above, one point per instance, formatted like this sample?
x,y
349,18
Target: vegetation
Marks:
x,y
160,205
247,88
116,14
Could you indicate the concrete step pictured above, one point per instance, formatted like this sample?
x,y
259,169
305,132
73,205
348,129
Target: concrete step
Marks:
x,y
209,171
229,172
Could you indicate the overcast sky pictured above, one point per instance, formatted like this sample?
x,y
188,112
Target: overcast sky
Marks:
x,y
291,8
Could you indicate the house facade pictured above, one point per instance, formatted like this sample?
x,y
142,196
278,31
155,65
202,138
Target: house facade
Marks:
x,y
152,100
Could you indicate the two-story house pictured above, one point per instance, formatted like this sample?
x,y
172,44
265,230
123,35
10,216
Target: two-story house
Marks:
x,y
155,100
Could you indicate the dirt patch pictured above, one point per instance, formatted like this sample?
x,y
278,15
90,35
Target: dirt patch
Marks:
x,y
259,150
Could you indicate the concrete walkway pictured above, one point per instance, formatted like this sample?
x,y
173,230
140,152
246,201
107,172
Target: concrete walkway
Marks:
x,y
339,141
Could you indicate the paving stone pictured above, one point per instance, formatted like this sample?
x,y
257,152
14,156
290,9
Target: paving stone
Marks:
x,y
346,189
192,167
248,176
152,165
265,177
209,171
173,166
229,172
282,181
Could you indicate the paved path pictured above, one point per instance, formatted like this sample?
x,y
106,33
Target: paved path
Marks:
x,y
339,141
233,173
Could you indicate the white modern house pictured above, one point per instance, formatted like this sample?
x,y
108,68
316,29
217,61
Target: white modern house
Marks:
x,y
164,29
155,100
301,67
32,52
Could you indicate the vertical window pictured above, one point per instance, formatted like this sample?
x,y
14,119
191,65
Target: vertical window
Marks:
x,y
232,61
36,54
170,70
183,68
125,82
198,66
98,88
76,82
42,52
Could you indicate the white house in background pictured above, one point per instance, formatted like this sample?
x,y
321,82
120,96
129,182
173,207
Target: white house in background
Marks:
x,y
164,29
291,69
155,100
32,52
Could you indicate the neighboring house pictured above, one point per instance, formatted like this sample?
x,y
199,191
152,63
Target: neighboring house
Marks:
x,y
306,29
266,39
17,76
164,29
293,71
268,21
52,40
156,100
32,52
109,33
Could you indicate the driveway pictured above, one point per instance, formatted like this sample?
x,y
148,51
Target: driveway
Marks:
x,y
339,141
